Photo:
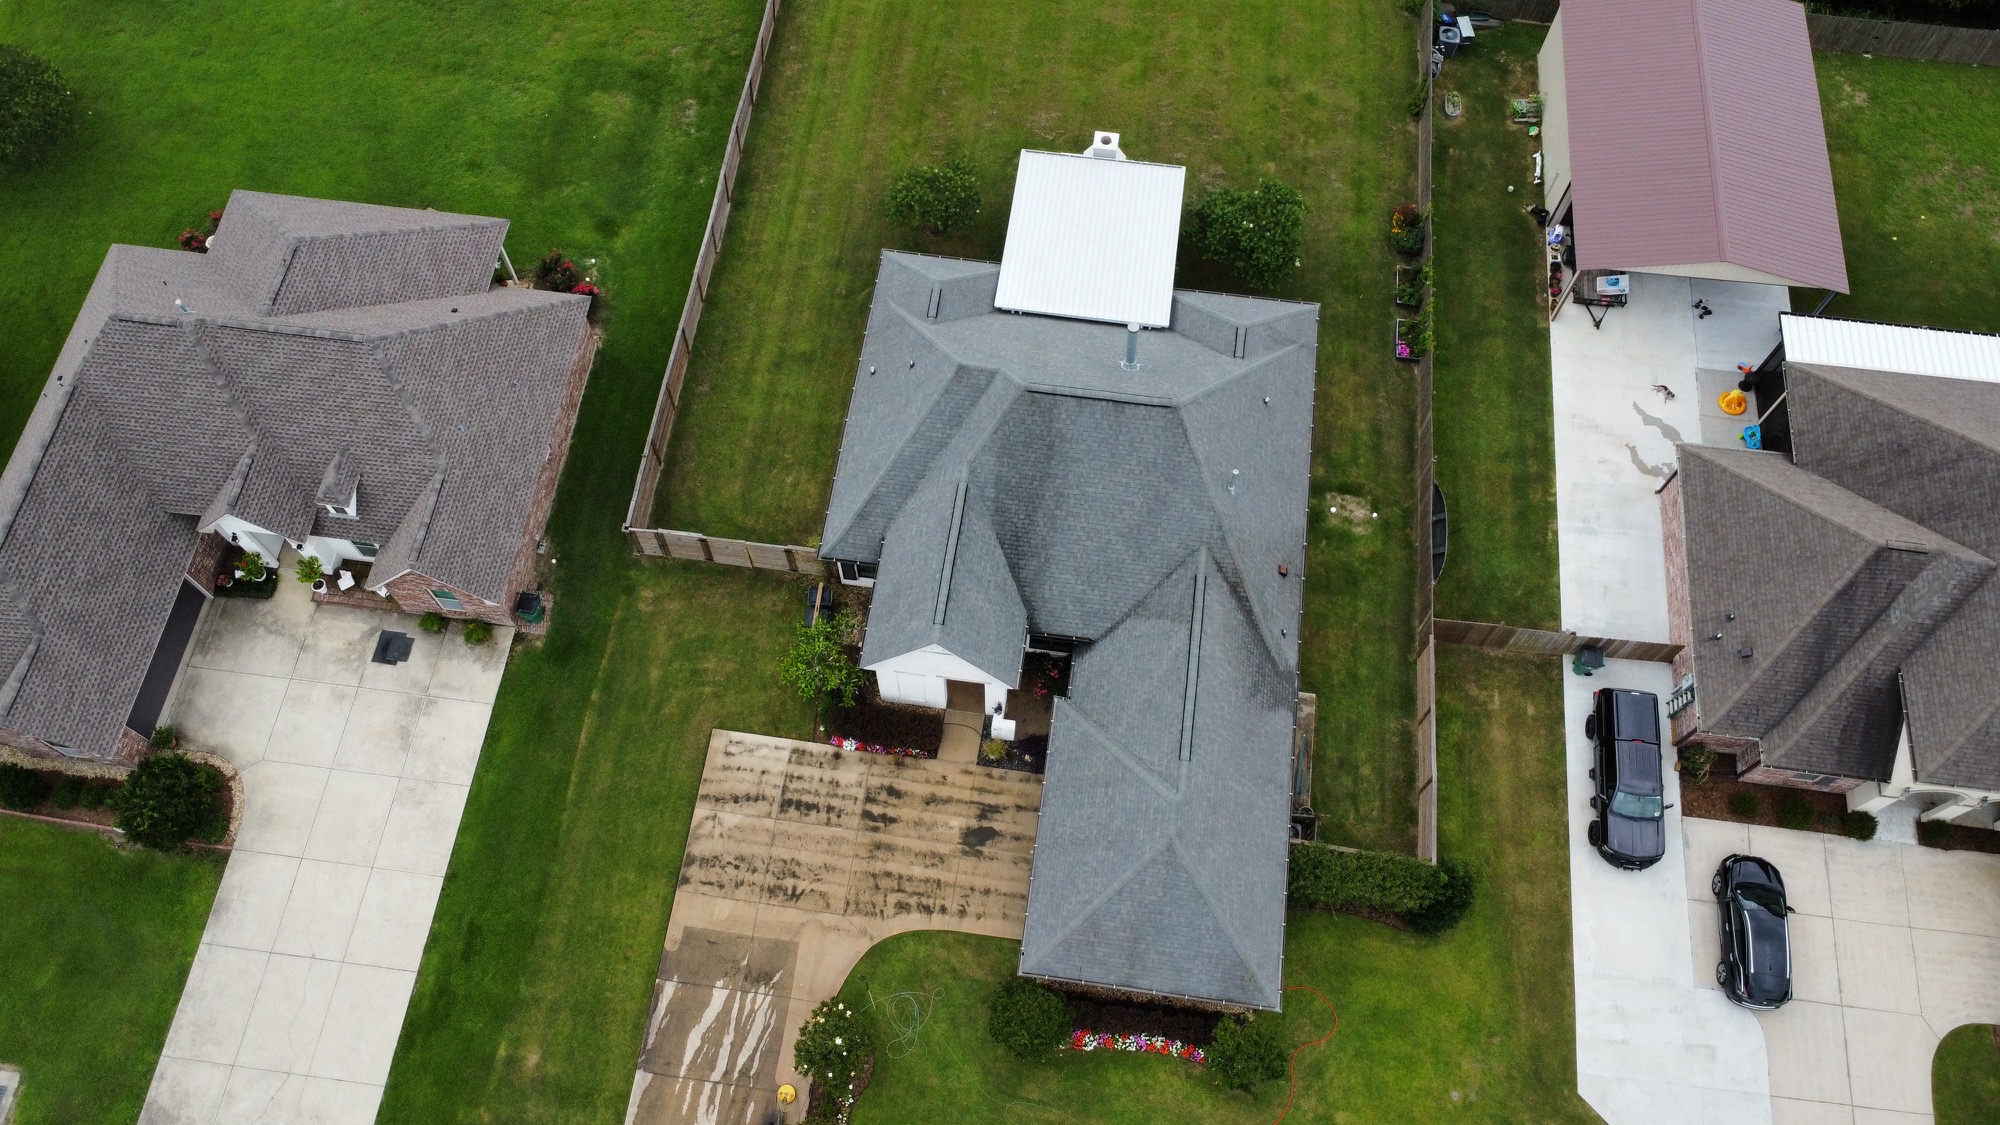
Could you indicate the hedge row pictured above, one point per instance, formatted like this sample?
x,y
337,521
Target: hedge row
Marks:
x,y
1430,899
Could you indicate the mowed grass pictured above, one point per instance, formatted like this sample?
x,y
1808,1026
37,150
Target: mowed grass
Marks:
x,y
857,90
1916,167
1474,1026
1494,418
1965,1076
95,943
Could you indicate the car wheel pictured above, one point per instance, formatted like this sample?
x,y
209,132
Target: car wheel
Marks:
x,y
1590,727
1595,835
1715,884
1722,973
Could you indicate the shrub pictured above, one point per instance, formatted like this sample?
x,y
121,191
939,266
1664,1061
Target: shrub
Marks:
x,y
37,107
1858,825
1256,233
92,796
1406,228
21,787
477,632
993,750
431,622
1794,812
1420,97
557,273
1933,833
1696,761
940,198
818,666
1745,805
1029,1019
1246,1052
165,738
310,570
1456,888
67,793
196,238
833,1046
168,799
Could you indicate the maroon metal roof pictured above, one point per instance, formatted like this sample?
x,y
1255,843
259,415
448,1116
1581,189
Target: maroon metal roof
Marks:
x,y
1695,137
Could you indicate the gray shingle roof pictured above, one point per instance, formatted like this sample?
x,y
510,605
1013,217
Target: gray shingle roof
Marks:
x,y
1864,568
181,397
1086,500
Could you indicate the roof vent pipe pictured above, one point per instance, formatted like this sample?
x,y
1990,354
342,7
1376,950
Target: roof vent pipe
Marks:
x,y
1131,348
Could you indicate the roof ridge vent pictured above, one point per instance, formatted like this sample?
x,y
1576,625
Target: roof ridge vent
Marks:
x,y
1104,146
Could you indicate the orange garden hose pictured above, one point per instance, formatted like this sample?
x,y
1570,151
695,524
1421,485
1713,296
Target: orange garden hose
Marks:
x,y
1291,1067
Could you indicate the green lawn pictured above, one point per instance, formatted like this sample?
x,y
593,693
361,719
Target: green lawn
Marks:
x,y
1965,1076
1494,418
95,943
1916,166
1475,1026
859,89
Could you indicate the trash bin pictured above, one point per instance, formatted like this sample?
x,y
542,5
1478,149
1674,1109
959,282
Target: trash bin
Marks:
x,y
1448,40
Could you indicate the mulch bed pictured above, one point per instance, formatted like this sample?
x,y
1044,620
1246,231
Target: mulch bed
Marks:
x,y
1710,800
1118,1018
1959,838
816,1111
886,724
1027,755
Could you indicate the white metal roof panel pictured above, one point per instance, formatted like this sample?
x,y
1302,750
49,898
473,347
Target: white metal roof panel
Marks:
x,y
1891,347
1092,238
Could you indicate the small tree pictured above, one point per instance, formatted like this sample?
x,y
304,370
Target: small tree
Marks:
x,y
940,198
1246,1052
37,107
168,799
1028,1019
818,666
1256,233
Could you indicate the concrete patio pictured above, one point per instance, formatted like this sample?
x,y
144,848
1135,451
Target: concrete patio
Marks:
x,y
354,777
799,859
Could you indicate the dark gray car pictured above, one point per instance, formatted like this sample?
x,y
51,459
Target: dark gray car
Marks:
x,y
1756,966
1629,828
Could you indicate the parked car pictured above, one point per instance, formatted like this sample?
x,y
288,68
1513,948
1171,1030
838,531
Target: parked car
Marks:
x,y
1756,966
1629,829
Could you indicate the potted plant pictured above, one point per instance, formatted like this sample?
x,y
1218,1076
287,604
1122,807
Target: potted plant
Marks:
x,y
312,573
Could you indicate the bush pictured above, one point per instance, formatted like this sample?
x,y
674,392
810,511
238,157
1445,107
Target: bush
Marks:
x,y
431,622
940,198
557,273
818,666
833,1046
165,738
169,799
477,632
1406,228
1420,97
1247,1052
92,796
37,107
1745,805
1256,233
1933,833
1696,761
1794,812
1858,825
67,793
21,787
1429,899
1029,1019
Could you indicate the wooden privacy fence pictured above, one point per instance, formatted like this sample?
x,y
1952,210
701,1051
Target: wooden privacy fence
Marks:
x,y
729,552
1899,40
1426,466
654,458
1544,642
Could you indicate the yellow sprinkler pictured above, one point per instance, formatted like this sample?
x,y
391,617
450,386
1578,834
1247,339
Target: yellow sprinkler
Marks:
x,y
1733,402
787,1094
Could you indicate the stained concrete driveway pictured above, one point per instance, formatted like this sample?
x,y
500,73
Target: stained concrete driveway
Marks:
x,y
354,777
800,857
1893,946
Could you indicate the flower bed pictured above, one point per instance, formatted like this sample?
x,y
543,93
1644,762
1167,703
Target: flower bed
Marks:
x,y
874,748
881,728
1084,1039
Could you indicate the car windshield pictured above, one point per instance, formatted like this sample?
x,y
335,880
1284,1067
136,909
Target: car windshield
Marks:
x,y
1762,896
1635,806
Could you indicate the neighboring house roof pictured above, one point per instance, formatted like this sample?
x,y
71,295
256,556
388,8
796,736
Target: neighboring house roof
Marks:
x,y
181,398
1008,475
1696,140
1862,578
1865,344
1092,237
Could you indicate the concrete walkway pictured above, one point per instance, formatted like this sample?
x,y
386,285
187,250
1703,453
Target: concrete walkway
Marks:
x,y
801,857
354,777
1893,946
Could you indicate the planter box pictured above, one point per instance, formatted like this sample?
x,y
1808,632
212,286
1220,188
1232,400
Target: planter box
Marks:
x,y
1407,277
1396,344
242,589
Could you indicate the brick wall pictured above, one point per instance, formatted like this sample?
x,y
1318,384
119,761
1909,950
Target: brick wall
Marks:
x,y
412,593
1680,615
208,554
521,576
1765,775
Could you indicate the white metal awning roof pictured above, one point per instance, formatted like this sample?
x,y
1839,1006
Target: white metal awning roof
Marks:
x,y
1891,347
1092,238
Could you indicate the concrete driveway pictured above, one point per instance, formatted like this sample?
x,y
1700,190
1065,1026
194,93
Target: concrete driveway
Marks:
x,y
1893,946
800,857
354,777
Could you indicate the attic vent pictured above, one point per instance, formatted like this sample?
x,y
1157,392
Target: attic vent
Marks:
x,y
1241,348
932,305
